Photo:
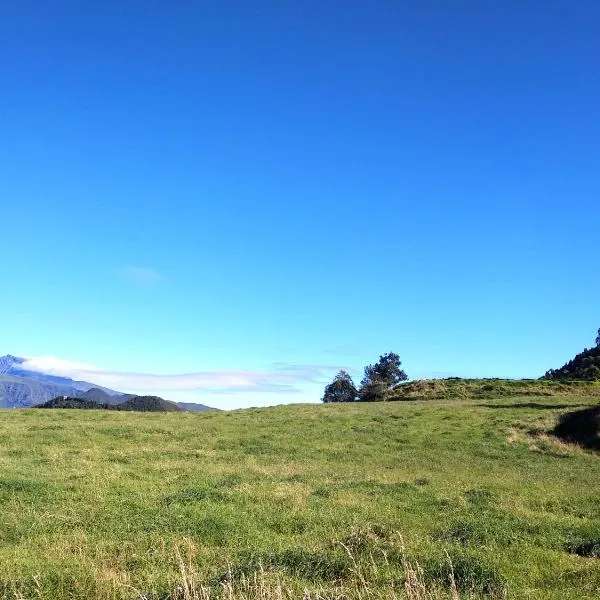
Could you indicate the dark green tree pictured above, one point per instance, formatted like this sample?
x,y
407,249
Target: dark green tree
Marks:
x,y
341,389
598,338
381,377
373,391
584,366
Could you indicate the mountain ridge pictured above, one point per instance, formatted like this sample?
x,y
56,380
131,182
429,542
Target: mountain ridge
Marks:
x,y
136,404
24,388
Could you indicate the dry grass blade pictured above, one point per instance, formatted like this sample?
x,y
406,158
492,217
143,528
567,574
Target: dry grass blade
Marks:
x,y
267,585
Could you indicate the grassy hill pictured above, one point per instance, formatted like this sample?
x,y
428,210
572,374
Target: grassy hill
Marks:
x,y
457,388
71,402
343,500
133,403
148,404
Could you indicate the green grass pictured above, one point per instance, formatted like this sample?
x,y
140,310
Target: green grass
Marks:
x,y
102,504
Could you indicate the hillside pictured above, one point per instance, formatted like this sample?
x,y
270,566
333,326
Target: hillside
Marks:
x,y
70,402
136,403
20,392
585,366
315,496
187,406
99,395
194,406
457,388
21,388
148,404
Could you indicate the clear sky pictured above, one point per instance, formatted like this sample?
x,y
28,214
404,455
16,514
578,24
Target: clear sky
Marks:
x,y
254,194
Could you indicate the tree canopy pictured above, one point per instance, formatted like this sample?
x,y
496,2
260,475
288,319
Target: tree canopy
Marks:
x,y
341,389
586,366
387,370
378,380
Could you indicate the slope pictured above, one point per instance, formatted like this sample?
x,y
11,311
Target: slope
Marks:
x,y
276,492
585,366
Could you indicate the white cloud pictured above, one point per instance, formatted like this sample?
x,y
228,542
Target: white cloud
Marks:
x,y
56,366
280,379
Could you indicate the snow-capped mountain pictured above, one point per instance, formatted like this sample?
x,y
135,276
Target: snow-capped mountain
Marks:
x,y
20,387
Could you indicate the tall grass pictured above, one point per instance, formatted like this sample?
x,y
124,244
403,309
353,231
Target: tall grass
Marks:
x,y
264,585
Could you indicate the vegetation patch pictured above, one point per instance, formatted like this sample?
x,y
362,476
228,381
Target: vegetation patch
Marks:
x,y
311,565
584,366
193,495
469,573
22,488
498,527
479,497
135,403
455,388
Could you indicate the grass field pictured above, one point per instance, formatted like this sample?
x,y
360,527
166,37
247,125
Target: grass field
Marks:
x,y
333,499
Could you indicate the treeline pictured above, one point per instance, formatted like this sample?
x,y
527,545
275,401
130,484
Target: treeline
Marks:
x,y
136,403
377,383
585,366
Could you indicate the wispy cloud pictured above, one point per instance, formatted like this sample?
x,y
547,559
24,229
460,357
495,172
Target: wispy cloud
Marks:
x,y
281,378
141,275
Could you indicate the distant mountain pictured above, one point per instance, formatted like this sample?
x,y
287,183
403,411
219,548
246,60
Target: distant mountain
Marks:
x,y
194,407
82,386
187,406
21,388
9,362
585,366
137,403
19,392
99,395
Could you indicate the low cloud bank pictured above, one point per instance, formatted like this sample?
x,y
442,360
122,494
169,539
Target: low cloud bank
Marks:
x,y
279,378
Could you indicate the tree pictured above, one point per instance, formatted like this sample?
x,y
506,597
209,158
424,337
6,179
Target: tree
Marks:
x,y
381,377
341,389
373,391
387,371
598,338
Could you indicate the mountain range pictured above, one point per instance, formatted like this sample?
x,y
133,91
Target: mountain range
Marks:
x,y
22,388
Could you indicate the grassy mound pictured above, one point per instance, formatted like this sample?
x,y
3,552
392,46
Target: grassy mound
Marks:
x,y
134,403
148,404
457,388
70,402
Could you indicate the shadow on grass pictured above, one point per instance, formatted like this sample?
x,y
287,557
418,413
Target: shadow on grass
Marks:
x,y
580,427
531,405
586,548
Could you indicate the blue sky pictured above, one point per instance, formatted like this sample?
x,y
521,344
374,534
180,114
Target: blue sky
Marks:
x,y
255,194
